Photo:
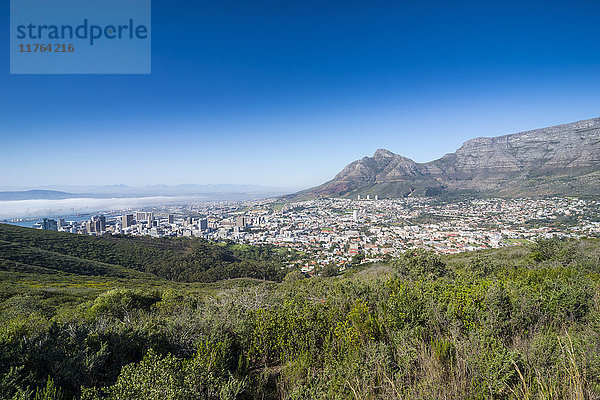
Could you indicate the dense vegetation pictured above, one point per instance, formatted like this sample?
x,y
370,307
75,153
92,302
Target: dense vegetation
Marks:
x,y
521,322
177,259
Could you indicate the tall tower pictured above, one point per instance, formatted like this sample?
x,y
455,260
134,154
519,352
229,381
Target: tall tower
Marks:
x,y
203,224
127,220
49,225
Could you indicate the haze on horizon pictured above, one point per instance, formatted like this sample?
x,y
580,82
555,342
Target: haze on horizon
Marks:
x,y
286,94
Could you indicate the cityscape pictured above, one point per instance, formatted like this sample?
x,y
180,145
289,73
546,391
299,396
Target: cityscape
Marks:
x,y
339,230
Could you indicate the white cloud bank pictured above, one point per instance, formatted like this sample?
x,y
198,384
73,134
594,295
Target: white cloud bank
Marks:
x,y
42,208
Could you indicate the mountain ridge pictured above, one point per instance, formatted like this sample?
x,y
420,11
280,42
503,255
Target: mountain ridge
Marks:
x,y
34,195
558,160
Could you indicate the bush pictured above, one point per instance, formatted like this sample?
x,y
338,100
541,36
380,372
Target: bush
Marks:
x,y
422,264
121,303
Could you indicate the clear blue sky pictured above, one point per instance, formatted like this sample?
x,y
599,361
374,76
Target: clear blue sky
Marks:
x,y
287,92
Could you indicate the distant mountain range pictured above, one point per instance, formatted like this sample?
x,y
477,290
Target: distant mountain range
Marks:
x,y
558,160
224,191
165,190
35,195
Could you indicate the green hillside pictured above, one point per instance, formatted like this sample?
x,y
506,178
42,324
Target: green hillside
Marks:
x,y
20,258
514,323
177,259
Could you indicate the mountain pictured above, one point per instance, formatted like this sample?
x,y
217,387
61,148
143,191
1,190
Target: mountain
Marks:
x,y
558,160
34,195
165,190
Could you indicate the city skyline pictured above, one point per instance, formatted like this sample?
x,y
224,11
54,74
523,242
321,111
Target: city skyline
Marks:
x,y
337,229
287,94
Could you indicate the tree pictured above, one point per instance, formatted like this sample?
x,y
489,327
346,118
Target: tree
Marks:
x,y
330,270
421,263
357,259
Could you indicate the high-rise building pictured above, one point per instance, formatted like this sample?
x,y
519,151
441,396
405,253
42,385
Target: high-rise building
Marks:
x,y
98,224
49,225
240,221
127,220
144,216
171,218
355,215
203,224
102,222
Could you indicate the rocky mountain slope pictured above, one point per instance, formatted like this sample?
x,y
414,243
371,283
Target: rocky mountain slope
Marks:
x,y
558,160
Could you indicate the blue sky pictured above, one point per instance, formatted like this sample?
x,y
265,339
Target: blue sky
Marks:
x,y
287,93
